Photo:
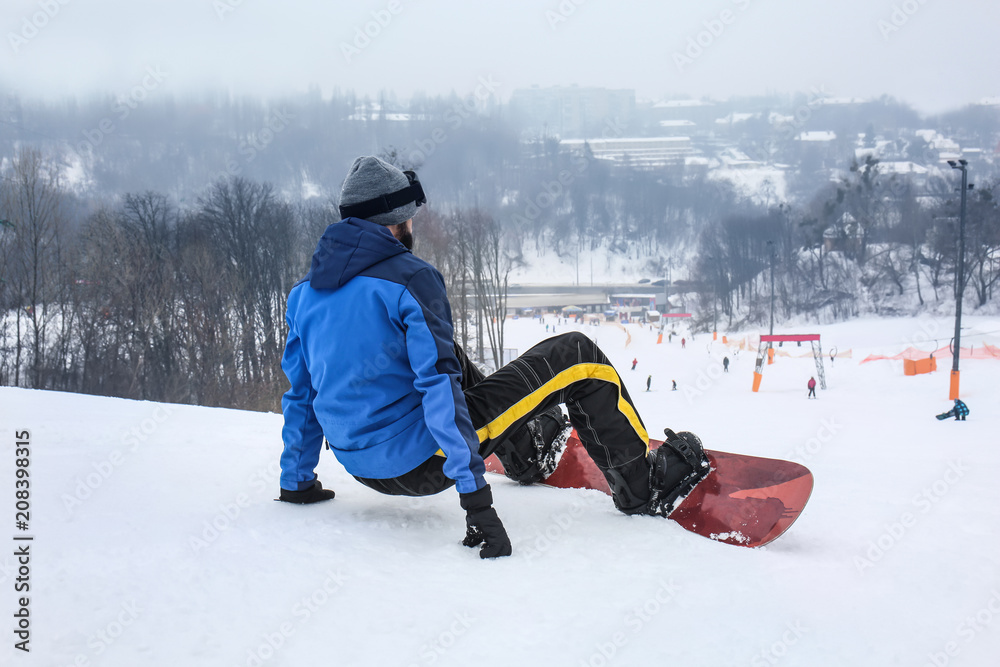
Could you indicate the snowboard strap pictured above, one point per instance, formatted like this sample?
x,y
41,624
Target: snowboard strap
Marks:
x,y
684,449
663,501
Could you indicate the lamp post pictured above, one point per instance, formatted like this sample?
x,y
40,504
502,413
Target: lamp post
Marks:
x,y
770,246
717,272
963,166
666,286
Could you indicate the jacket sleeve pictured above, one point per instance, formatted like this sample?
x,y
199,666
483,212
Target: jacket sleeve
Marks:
x,y
430,345
302,433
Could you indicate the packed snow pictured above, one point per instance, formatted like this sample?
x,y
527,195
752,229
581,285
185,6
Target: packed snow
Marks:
x,y
157,541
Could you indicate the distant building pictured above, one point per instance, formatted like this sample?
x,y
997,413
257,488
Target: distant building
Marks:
x,y
699,112
817,135
643,152
946,148
914,174
845,235
573,112
677,127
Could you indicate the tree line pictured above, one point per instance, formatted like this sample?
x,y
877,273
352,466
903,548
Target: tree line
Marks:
x,y
154,295
868,243
138,298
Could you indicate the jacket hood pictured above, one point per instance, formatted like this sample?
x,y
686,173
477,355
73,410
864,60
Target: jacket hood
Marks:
x,y
347,248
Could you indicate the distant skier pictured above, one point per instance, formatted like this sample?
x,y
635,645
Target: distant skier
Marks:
x,y
725,364
404,410
812,387
683,343
675,385
960,411
634,362
649,381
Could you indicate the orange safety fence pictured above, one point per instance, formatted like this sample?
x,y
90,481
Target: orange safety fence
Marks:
x,y
628,336
984,351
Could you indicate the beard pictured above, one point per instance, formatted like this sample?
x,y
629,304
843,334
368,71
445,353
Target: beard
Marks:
x,y
406,238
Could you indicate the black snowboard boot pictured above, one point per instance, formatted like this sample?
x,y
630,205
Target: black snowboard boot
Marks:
x,y
675,468
532,453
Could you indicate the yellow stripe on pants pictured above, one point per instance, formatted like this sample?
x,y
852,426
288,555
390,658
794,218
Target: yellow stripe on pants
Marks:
x,y
562,380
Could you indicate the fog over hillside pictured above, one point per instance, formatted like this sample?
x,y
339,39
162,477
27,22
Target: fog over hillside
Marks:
x,y
154,194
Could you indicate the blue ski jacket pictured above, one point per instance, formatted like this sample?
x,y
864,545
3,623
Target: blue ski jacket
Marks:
x,y
371,361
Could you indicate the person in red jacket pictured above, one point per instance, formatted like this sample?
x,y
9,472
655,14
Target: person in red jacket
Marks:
x,y
812,388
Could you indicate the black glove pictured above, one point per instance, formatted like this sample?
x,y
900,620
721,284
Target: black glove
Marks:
x,y
483,526
314,494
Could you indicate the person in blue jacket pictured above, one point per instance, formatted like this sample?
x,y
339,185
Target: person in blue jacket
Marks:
x,y
374,370
959,411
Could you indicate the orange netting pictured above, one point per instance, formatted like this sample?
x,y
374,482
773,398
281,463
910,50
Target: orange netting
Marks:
x,y
984,351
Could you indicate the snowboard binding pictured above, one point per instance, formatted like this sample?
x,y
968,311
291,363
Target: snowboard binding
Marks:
x,y
675,468
534,451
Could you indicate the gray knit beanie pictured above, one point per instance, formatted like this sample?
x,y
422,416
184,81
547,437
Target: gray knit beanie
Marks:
x,y
371,177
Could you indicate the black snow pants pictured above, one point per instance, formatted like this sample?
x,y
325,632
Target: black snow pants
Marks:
x,y
568,369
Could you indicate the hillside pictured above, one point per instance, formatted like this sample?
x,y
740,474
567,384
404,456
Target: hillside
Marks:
x,y
156,540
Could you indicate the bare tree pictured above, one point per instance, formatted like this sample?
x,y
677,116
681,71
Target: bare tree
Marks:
x,y
489,268
255,236
32,201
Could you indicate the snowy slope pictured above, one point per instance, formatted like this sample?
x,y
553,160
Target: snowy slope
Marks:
x,y
157,541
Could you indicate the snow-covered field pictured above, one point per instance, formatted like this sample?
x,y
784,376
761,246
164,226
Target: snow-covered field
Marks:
x,y
156,541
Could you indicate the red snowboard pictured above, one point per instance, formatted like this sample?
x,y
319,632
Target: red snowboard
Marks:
x,y
746,500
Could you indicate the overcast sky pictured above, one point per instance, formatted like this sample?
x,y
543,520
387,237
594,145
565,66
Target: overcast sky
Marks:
x,y
934,54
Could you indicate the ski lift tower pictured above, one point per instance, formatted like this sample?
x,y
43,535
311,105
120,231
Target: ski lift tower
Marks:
x,y
758,371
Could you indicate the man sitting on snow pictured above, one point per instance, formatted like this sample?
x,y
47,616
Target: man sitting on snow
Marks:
x,y
373,367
